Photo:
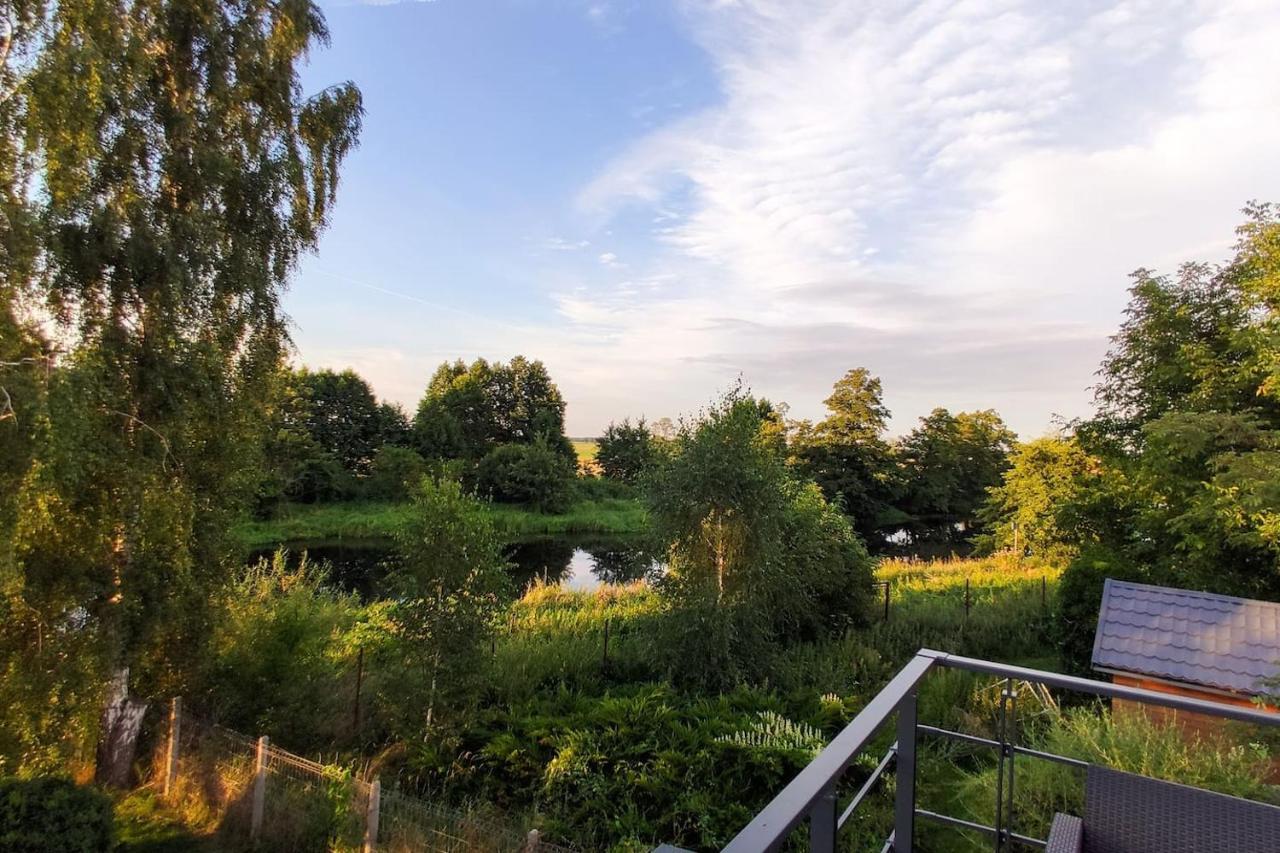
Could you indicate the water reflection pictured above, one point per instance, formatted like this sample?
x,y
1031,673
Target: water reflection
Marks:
x,y
582,564
575,562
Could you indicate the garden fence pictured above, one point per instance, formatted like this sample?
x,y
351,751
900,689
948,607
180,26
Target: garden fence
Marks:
x,y
241,786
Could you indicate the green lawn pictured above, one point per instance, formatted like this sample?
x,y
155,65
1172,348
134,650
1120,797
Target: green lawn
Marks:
x,y
378,520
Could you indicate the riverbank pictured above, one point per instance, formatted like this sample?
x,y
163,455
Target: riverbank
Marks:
x,y
371,520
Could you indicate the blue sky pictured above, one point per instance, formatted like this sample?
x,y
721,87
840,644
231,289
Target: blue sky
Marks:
x,y
657,197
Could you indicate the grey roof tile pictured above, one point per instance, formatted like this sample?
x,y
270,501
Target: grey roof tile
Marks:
x,y
1193,637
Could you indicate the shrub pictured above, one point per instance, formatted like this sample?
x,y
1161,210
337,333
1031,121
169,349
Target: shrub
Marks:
x,y
1080,596
278,657
51,815
395,470
625,451
533,474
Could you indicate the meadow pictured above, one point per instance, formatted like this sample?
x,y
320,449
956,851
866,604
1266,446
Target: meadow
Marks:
x,y
602,514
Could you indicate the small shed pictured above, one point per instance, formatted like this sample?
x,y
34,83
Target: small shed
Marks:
x,y
1214,647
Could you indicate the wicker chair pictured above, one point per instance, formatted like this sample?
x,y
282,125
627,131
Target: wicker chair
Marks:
x,y
1124,813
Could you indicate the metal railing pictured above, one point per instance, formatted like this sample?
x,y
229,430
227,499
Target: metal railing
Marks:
x,y
814,793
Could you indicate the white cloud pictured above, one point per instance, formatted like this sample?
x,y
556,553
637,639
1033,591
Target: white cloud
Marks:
x,y
949,192
609,259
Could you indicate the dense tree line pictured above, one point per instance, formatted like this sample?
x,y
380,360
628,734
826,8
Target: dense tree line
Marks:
x,y
927,486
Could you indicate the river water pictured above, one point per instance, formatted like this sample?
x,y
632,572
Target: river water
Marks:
x,y
575,562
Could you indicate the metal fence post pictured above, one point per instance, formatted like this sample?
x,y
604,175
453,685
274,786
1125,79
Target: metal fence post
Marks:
x,y
904,806
371,816
822,823
259,787
171,759
886,601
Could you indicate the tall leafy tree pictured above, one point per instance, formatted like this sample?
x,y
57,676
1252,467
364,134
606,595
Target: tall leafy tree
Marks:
x,y
847,455
949,462
340,413
449,588
756,556
625,450
164,172
1187,435
468,410
1023,512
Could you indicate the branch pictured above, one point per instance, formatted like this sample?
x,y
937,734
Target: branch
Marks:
x,y
168,451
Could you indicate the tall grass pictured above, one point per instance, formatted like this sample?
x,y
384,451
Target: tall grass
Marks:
x,y
554,638
1126,742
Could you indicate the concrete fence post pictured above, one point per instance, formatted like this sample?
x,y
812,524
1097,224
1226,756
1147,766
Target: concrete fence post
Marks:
x,y
371,816
171,758
532,842
259,787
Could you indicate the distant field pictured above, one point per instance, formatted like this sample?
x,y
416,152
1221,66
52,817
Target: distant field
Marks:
x,y
586,448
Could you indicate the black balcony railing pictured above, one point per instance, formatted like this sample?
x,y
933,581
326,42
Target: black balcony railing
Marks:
x,y
813,796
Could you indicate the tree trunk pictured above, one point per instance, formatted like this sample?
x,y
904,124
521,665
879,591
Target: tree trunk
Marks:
x,y
118,739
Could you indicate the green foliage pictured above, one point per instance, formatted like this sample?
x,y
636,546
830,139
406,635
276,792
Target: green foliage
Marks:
x,y
449,588
51,815
326,431
756,558
532,474
339,412
1188,428
625,451
468,411
847,455
1023,512
623,516
949,464
280,654
642,765
1080,597
393,474
162,173
1127,742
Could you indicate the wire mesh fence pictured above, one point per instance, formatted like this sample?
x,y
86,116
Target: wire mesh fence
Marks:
x,y
239,787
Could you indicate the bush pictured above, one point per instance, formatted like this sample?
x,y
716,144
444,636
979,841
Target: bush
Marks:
x,y
394,472
625,451
279,660
1080,596
53,815
533,474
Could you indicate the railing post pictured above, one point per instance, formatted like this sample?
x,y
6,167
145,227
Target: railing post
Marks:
x,y
259,787
371,816
822,823
171,758
904,806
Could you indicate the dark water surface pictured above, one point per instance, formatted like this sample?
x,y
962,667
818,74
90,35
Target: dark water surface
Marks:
x,y
574,561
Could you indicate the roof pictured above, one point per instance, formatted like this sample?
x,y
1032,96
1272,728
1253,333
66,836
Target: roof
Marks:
x,y
1197,638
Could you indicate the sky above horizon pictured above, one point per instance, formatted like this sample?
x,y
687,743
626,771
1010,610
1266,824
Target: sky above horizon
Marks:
x,y
656,197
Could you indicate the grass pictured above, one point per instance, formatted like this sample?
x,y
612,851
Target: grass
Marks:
x,y
356,520
144,824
